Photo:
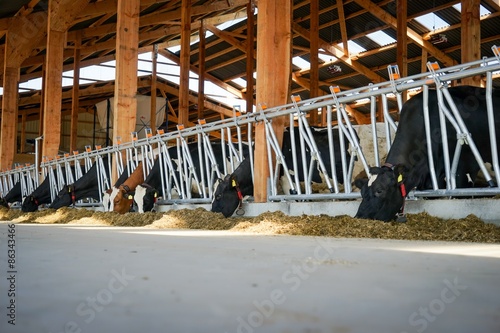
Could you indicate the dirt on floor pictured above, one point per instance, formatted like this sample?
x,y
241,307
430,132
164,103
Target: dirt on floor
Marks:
x,y
419,226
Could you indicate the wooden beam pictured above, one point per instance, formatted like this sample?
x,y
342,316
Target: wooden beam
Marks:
x,y
75,97
125,102
402,37
8,146
61,15
314,61
273,84
185,62
392,21
53,93
471,37
338,53
201,72
154,79
250,57
343,28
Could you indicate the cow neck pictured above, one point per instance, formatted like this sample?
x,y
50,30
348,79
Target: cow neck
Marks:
x,y
126,188
71,191
400,216
146,185
236,186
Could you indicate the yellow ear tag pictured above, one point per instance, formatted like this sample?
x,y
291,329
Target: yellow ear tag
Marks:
x,y
129,197
156,194
233,183
400,178
69,190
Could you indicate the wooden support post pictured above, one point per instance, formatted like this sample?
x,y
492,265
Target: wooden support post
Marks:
x,y
9,115
152,121
201,72
250,55
273,73
53,92
22,144
402,38
185,62
125,102
314,61
75,94
423,62
471,37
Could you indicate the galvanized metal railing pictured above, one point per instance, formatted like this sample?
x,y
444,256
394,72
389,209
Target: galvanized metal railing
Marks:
x,y
181,173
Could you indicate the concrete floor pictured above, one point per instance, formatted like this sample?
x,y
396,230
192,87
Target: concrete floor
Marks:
x,y
100,279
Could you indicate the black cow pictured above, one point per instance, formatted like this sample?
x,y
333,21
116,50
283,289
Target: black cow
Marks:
x,y
406,166
230,191
40,196
14,195
86,186
227,199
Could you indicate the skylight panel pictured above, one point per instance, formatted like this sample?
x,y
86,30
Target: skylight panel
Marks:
x,y
431,21
240,82
482,11
301,63
354,48
381,38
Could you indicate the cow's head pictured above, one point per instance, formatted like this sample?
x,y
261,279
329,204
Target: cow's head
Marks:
x,y
4,203
381,194
123,200
30,204
145,197
226,199
65,197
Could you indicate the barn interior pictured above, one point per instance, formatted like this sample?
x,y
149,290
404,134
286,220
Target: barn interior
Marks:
x,y
345,43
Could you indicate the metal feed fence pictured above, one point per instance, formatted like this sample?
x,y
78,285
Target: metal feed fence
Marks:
x,y
188,157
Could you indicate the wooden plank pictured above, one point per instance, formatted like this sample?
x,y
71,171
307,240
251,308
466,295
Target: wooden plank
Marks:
x,y
125,102
185,62
273,73
471,37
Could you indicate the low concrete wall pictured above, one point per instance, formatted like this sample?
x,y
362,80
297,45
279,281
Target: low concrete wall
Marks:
x,y
486,209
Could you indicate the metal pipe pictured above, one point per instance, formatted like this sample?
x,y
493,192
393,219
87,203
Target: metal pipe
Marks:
x,y
427,126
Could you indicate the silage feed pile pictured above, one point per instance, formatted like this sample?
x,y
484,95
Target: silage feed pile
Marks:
x,y
419,226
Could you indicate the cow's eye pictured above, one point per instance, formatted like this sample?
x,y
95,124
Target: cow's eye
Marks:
x,y
218,196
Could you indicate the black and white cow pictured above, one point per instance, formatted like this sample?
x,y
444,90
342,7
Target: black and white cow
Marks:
x,y
406,166
234,187
147,193
85,187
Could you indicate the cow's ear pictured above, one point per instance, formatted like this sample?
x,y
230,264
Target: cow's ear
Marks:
x,y
375,170
360,182
400,171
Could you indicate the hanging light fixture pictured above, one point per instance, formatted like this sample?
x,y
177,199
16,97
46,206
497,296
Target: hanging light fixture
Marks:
x,y
334,69
438,39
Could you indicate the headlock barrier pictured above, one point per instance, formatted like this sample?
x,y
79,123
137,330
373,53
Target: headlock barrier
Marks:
x,y
189,162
